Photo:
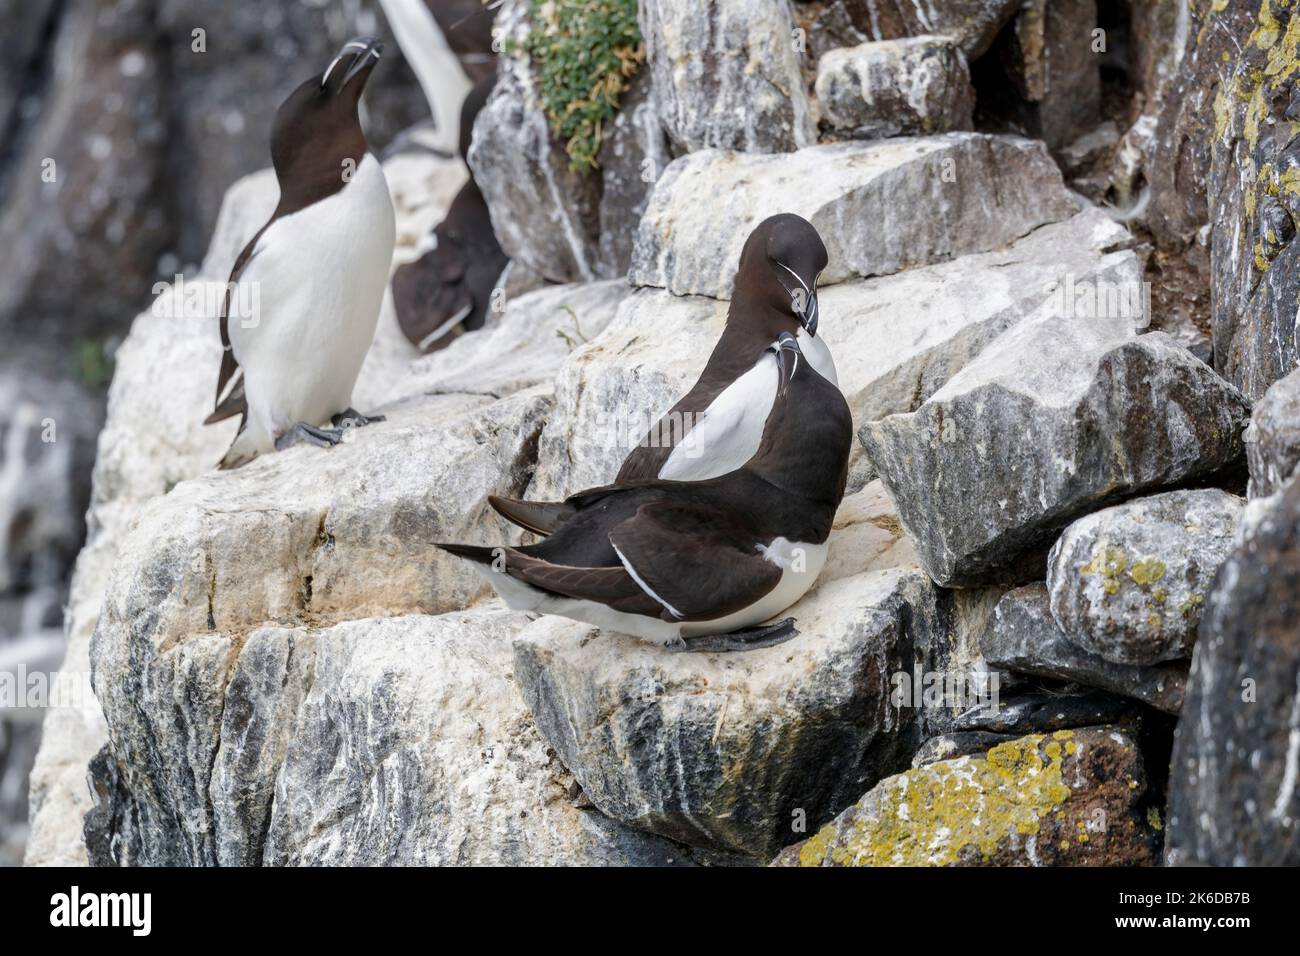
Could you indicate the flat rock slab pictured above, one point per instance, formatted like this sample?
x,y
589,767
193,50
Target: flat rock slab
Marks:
x,y
735,751
896,340
1071,798
1234,799
1128,583
1052,420
879,207
1024,637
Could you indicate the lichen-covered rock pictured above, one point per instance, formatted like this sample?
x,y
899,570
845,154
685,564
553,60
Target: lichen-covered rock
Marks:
x,y
895,339
918,85
973,24
1128,583
736,751
1070,798
382,741
1273,438
1255,263
1234,797
727,74
879,206
1023,637
1052,420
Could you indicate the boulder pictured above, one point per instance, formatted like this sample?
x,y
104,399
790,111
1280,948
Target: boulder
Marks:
x,y
1273,438
1050,58
727,74
565,225
1233,795
1128,583
914,86
1024,638
1071,798
1052,420
381,741
879,206
736,751
973,24
611,389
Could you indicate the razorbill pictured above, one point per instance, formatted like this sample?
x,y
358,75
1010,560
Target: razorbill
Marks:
x,y
697,564
448,290
313,277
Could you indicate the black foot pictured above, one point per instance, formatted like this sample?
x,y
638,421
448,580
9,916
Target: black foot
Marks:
x,y
351,418
746,640
322,437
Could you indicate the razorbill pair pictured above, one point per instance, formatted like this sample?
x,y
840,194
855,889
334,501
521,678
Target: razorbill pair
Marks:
x,y
702,539
313,276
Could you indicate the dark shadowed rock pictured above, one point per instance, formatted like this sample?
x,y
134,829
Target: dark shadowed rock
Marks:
x,y
1128,583
972,23
1071,798
1233,793
959,744
1054,419
1023,637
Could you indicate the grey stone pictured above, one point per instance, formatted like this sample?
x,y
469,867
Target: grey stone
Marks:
x,y
1233,796
972,23
879,206
732,750
1071,798
960,744
1128,583
1052,420
1273,438
918,85
726,74
1025,638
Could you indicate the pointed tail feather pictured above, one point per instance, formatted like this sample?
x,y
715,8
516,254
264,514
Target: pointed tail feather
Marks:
x,y
479,554
539,517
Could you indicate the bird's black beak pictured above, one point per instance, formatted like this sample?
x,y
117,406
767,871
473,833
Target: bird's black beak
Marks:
x,y
787,359
356,59
808,317
803,296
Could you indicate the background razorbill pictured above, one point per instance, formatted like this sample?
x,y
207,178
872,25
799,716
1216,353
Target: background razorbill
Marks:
x,y
698,564
314,274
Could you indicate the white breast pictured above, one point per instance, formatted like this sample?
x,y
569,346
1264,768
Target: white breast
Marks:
x,y
316,282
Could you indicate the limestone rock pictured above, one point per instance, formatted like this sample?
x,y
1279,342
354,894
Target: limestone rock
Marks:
x,y
896,339
918,85
880,207
731,750
1233,796
564,225
1072,798
1128,583
972,23
1025,638
1054,419
727,74
1273,438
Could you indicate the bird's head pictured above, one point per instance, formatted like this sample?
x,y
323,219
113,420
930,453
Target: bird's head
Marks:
x,y
779,267
317,128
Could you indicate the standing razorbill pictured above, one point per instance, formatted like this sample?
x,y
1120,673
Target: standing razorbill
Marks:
x,y
697,564
716,426
314,274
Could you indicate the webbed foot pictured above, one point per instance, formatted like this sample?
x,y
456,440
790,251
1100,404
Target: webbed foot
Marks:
x,y
351,418
302,432
747,640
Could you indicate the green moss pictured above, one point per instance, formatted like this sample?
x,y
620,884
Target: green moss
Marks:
x,y
92,364
586,51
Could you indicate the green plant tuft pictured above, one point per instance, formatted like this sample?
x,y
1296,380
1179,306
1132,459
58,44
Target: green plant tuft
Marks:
x,y
586,52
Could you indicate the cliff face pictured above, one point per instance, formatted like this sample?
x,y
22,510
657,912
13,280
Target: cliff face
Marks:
x,y
1049,477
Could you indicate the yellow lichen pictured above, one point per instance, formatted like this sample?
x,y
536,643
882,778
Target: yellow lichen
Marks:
x,y
1147,571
